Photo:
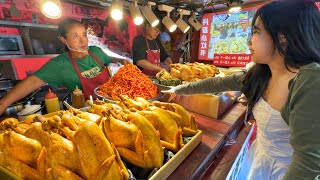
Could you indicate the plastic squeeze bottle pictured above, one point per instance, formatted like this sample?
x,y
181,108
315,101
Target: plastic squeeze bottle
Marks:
x,y
78,98
52,102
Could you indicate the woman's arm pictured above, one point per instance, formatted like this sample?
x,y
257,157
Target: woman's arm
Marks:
x,y
20,91
210,85
304,123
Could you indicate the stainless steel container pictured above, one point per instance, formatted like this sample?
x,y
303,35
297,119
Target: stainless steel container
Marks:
x,y
211,105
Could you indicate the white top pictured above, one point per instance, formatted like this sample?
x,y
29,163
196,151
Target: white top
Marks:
x,y
270,154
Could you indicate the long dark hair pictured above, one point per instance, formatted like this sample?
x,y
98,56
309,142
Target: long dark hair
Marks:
x,y
299,22
64,27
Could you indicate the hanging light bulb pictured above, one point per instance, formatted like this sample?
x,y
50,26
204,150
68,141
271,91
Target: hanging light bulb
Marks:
x,y
116,10
167,21
194,22
182,25
51,8
135,13
234,6
150,16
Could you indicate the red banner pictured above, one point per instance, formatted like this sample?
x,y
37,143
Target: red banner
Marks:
x,y
7,30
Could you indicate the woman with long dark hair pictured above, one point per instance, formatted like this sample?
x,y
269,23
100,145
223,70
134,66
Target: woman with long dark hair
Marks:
x,y
282,91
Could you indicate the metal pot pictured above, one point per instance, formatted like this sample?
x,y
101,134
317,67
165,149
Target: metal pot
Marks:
x,y
13,109
28,110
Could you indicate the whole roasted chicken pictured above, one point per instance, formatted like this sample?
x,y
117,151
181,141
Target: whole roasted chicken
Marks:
x,y
193,71
89,145
61,147
136,140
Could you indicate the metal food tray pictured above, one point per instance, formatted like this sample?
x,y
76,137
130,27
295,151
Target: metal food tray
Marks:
x,y
176,160
6,174
107,99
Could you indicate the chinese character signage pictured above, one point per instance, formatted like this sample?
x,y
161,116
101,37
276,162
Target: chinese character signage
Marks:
x,y
224,40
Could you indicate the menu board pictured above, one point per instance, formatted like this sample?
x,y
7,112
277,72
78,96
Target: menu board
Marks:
x,y
223,39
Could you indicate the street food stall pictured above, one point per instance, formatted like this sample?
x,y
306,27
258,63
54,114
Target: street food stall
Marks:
x,y
127,129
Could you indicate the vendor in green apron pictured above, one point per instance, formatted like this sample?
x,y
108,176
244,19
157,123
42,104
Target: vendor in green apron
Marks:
x,y
81,66
148,52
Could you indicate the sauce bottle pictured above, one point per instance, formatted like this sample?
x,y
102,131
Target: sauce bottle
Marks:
x,y
78,98
52,102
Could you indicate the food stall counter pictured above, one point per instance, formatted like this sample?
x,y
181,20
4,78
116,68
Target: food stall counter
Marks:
x,y
215,133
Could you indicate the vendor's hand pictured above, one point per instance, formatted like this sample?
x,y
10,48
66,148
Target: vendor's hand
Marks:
x,y
124,61
172,93
2,109
162,69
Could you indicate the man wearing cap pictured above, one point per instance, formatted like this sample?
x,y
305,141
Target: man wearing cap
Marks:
x,y
148,52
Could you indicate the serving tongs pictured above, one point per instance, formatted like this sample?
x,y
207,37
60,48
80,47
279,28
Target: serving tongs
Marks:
x,y
70,108
73,109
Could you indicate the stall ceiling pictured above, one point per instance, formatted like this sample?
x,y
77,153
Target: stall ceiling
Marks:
x,y
198,3
185,4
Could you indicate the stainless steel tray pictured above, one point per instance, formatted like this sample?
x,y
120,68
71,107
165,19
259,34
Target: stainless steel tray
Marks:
x,y
107,99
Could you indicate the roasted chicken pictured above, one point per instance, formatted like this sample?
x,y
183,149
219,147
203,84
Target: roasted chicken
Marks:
x,y
62,146
19,168
170,134
136,140
181,116
22,148
193,71
98,159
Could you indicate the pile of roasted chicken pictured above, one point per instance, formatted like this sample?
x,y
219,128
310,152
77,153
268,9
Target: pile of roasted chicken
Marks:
x,y
193,71
91,145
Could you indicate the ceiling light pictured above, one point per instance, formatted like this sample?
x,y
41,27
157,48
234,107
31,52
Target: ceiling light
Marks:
x,y
182,25
169,24
51,8
234,6
167,21
150,16
194,22
135,13
116,10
